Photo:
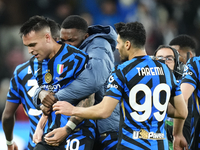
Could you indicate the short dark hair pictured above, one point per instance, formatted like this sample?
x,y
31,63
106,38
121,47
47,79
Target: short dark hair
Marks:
x,y
184,41
55,30
37,23
133,31
75,21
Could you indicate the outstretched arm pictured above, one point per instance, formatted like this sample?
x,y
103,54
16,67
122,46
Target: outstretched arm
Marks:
x,y
107,105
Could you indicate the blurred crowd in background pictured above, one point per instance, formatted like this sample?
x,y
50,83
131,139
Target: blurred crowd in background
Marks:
x,y
163,20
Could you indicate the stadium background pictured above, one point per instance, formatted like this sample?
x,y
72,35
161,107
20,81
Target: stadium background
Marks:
x,y
163,20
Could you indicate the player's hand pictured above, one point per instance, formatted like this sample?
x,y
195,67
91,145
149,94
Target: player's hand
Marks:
x,y
37,136
47,98
57,136
62,107
45,110
180,143
13,146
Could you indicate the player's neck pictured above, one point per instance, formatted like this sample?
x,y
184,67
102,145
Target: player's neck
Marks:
x,y
56,48
138,52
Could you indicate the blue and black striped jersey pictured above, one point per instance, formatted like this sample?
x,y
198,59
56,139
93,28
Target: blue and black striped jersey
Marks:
x,y
192,76
57,73
22,88
143,87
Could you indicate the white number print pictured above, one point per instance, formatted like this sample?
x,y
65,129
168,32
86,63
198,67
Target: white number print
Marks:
x,y
71,143
146,107
34,85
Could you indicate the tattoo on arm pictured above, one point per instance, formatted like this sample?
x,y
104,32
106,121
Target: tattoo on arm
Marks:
x,y
84,103
69,130
87,102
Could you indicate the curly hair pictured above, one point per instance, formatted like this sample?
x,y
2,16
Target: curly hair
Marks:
x,y
132,31
185,42
75,21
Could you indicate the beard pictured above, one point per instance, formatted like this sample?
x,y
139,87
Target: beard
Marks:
x,y
123,59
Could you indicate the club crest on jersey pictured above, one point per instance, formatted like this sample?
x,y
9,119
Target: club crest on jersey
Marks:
x,y
143,134
48,77
60,68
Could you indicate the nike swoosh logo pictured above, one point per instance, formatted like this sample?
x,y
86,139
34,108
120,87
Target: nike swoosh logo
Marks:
x,y
37,70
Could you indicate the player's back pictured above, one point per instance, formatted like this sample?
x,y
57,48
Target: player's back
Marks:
x,y
147,85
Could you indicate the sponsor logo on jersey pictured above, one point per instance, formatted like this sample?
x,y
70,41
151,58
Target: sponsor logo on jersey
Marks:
x,y
185,71
111,79
48,77
188,73
112,86
185,68
52,88
143,134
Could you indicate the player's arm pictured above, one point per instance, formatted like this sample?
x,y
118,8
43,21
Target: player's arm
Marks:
x,y
187,91
99,111
180,107
37,137
88,82
8,121
170,110
56,136
44,97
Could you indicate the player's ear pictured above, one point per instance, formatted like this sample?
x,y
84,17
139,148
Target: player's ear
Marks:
x,y
191,54
86,36
127,44
48,37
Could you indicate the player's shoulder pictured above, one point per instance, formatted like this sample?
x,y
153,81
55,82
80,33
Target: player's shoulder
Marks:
x,y
193,62
195,59
136,61
72,50
22,66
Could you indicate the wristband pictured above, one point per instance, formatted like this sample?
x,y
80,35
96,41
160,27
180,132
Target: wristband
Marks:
x,y
9,142
71,125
